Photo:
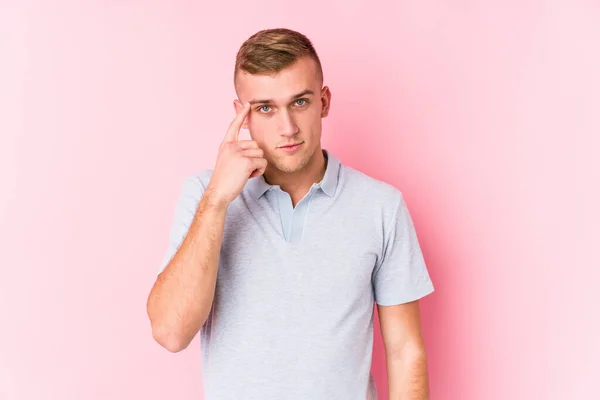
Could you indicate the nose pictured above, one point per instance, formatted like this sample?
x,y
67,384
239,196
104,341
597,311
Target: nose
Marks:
x,y
287,125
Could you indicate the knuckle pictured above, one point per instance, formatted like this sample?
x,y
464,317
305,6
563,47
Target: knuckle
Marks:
x,y
226,146
234,148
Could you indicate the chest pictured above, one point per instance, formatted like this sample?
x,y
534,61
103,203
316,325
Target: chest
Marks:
x,y
333,254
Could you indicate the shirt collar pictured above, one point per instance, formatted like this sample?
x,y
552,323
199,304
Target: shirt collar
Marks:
x,y
258,186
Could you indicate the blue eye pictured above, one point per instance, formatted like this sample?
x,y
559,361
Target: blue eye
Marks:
x,y
303,101
262,109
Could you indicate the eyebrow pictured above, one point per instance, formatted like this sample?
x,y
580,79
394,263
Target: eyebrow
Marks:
x,y
304,93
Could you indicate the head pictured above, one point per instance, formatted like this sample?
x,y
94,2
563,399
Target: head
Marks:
x,y
279,73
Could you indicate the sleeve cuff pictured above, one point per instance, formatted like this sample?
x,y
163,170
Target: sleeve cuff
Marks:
x,y
406,296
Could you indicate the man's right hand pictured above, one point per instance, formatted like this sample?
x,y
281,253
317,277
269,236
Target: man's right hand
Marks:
x,y
237,161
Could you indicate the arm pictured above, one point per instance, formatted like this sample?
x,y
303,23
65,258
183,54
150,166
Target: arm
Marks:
x,y
400,279
182,295
405,351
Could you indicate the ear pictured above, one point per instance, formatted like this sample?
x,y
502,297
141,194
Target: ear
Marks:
x,y
325,101
237,105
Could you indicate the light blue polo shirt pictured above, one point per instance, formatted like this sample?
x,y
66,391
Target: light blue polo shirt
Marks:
x,y
292,316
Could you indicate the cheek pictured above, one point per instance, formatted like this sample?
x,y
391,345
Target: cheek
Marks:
x,y
311,120
258,128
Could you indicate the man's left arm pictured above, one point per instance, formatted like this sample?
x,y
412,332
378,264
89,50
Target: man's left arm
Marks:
x,y
405,351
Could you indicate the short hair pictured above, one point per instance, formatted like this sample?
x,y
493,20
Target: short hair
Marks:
x,y
271,50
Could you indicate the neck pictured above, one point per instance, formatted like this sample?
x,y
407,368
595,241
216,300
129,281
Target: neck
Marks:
x,y
297,184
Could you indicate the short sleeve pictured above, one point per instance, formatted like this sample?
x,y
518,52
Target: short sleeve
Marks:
x,y
191,192
400,275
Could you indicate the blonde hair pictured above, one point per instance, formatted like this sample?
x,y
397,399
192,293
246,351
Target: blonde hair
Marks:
x,y
271,50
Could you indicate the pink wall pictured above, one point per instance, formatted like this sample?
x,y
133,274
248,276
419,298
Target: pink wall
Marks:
x,y
485,113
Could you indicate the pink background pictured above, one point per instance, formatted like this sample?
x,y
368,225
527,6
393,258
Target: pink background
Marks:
x,y
486,114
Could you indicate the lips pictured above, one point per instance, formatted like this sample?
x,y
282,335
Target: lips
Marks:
x,y
290,148
290,145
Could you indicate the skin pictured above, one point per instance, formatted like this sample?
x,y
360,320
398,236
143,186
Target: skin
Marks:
x,y
405,352
278,110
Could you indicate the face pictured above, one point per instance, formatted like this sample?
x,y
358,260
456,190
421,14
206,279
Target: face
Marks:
x,y
286,110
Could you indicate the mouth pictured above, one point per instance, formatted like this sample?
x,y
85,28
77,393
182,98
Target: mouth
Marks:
x,y
290,147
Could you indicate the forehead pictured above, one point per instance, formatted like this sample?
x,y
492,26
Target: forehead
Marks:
x,y
280,86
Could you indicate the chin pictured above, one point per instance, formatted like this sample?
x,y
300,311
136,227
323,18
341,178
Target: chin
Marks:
x,y
291,166
287,168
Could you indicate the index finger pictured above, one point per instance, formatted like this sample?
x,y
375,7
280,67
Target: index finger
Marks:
x,y
234,128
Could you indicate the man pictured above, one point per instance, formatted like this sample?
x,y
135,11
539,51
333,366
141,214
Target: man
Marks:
x,y
279,252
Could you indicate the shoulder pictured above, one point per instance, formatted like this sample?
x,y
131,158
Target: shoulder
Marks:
x,y
381,194
195,183
201,177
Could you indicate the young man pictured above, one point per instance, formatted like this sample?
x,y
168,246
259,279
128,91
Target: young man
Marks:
x,y
279,252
